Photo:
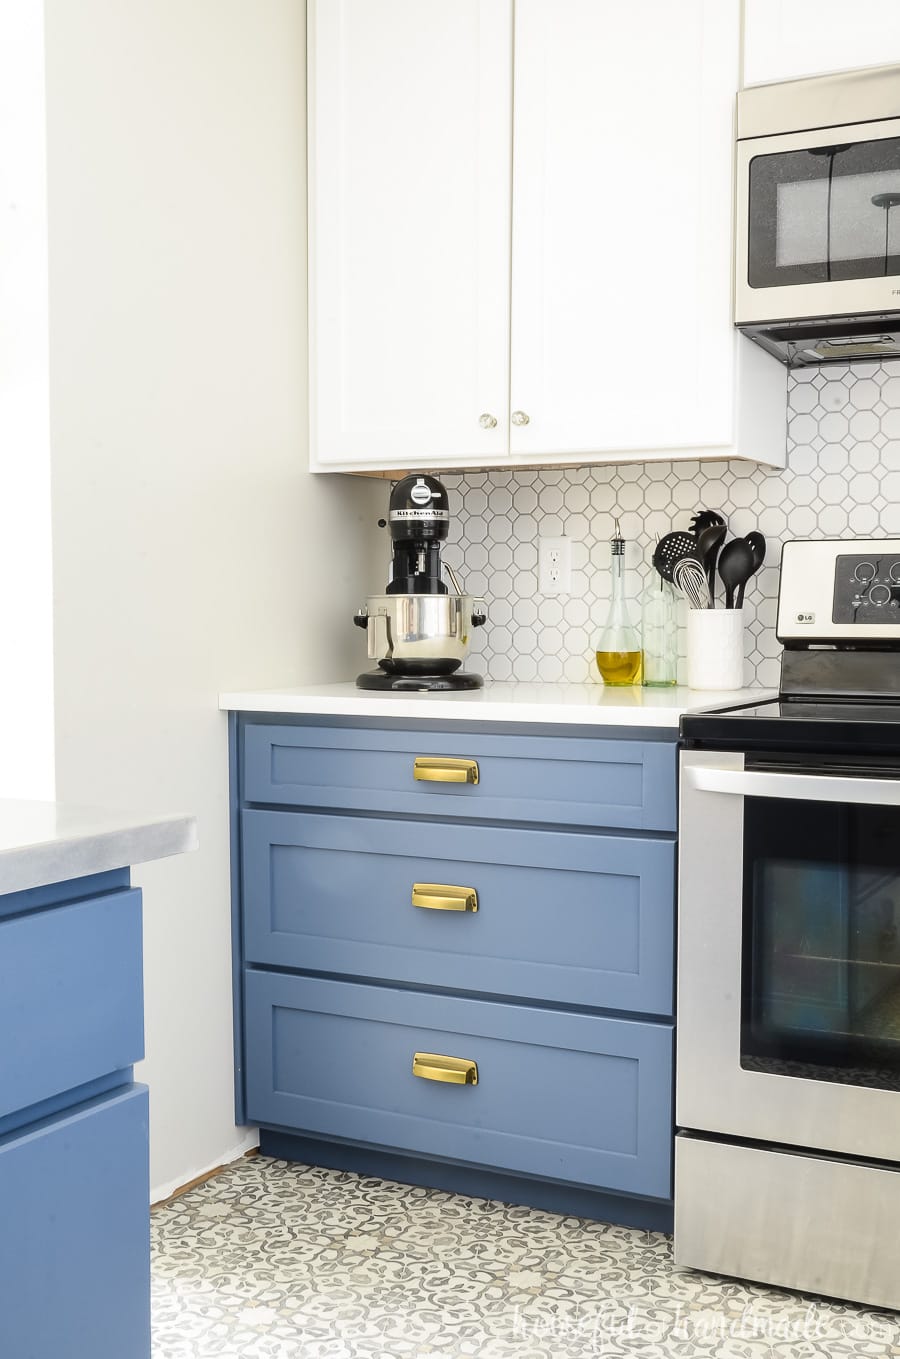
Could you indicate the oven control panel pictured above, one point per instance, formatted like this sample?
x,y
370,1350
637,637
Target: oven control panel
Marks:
x,y
840,590
866,589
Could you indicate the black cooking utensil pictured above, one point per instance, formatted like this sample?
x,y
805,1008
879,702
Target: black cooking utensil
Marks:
x,y
735,568
757,544
705,519
709,540
669,551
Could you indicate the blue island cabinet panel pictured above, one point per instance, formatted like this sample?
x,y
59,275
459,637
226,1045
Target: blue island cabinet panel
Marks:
x,y
71,997
74,1243
569,1097
577,919
561,780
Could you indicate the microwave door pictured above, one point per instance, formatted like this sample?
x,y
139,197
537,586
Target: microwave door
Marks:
x,y
818,224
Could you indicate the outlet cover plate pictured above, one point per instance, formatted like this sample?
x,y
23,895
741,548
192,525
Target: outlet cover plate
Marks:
x,y
555,566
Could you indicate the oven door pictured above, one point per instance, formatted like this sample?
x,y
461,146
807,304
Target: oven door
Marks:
x,y
817,227
789,953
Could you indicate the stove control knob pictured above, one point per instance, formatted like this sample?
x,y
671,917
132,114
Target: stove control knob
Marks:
x,y
895,572
879,594
864,572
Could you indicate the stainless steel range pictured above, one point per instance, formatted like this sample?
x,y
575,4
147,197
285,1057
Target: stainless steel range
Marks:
x,y
787,1165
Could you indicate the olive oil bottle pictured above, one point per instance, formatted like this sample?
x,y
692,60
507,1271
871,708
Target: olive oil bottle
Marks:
x,y
619,644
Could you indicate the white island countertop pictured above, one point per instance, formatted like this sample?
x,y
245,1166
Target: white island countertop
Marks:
x,y
573,704
47,842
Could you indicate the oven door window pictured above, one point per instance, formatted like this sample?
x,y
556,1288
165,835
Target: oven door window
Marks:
x,y
825,214
821,945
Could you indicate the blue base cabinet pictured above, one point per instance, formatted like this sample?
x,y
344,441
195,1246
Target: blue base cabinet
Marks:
x,y
74,1176
465,983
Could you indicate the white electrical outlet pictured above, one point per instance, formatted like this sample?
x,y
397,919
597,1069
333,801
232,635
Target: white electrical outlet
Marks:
x,y
555,566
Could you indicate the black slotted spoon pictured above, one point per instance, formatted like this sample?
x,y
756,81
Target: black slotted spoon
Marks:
x,y
675,558
670,550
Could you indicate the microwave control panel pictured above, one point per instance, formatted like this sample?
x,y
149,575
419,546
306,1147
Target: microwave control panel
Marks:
x,y
839,590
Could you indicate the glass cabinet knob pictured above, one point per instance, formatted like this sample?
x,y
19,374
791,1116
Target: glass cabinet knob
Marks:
x,y
488,421
519,418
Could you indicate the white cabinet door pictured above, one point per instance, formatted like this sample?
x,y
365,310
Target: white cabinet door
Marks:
x,y
621,296
410,163
788,38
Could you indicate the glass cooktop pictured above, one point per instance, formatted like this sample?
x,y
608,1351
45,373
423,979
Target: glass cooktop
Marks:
x,y
802,724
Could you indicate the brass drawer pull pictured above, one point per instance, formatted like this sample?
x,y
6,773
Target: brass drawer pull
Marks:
x,y
439,896
432,1066
444,769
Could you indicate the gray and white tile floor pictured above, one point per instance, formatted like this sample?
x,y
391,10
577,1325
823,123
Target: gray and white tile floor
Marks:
x,y
271,1260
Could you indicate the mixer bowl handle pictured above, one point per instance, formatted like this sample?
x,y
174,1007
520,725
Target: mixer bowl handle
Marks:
x,y
452,577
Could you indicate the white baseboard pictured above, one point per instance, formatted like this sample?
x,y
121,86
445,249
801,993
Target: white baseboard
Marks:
x,y
249,1139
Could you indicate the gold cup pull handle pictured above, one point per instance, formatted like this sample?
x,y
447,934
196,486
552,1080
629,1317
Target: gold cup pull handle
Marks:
x,y
441,896
434,1066
444,769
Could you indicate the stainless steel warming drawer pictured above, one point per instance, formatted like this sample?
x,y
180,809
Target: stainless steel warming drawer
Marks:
x,y
823,1225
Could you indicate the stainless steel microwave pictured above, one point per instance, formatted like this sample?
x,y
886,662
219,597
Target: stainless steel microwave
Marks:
x,y
817,238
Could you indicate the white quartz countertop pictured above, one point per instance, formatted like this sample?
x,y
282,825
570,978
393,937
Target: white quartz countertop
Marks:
x,y
565,703
46,842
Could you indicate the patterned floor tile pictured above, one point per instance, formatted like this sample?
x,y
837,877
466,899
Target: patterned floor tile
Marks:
x,y
272,1260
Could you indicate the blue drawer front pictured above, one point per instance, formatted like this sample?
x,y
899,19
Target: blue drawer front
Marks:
x,y
574,918
568,1097
74,1247
71,997
564,780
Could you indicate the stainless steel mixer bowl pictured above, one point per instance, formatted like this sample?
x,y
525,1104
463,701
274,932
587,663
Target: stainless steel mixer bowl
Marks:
x,y
420,634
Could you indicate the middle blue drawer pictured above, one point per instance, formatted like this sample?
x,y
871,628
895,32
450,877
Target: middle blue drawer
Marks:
x,y
579,919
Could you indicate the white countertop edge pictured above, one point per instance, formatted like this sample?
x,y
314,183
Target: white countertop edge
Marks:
x,y
49,842
572,704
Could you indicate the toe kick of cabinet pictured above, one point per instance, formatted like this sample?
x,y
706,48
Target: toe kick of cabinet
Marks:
x,y
463,1080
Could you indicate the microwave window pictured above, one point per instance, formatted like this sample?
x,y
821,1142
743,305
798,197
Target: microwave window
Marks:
x,y
825,214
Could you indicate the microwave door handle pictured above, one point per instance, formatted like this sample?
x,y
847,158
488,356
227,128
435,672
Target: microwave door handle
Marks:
x,y
797,787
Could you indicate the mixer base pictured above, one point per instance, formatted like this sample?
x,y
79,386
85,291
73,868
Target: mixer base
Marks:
x,y
377,679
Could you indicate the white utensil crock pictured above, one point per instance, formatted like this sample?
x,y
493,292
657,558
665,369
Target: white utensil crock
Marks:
x,y
715,647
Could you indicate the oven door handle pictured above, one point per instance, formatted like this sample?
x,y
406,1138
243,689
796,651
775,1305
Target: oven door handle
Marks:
x,y
798,787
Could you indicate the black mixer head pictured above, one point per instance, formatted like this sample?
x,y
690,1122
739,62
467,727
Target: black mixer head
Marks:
x,y
419,510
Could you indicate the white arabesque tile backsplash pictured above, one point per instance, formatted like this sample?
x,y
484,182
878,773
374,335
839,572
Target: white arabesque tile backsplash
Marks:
x,y
842,479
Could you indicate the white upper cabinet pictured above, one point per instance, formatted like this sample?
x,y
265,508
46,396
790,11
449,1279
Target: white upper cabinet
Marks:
x,y
784,39
621,309
410,147
525,216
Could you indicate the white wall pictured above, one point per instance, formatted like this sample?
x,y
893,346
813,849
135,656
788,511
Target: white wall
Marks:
x,y
190,544
26,625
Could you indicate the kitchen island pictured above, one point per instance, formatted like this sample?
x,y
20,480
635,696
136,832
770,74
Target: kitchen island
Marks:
x,y
454,936
74,1241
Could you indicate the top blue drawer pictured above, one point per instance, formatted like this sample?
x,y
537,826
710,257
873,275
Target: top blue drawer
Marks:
x,y
71,997
558,780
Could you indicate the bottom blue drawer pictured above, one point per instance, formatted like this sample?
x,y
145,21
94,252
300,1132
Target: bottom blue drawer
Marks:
x,y
578,1098
75,1241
